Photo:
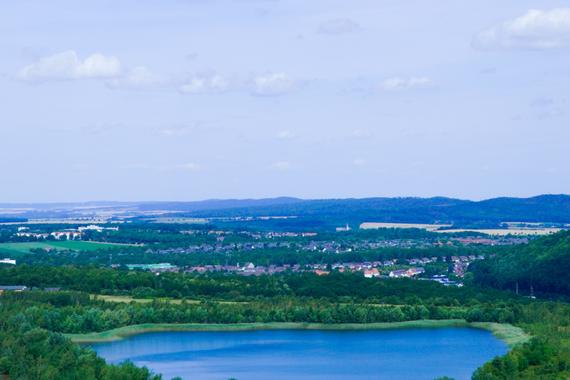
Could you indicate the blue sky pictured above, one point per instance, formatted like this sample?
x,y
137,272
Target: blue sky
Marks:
x,y
188,100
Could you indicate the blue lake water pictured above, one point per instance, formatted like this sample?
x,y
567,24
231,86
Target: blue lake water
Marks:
x,y
398,354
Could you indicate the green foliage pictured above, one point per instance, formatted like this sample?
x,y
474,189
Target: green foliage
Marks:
x,y
544,265
31,322
336,286
31,353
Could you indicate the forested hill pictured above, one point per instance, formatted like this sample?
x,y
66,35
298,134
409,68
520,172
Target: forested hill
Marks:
x,y
543,264
329,212
543,208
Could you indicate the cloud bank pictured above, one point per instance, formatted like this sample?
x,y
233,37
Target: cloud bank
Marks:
x,y
139,77
338,26
67,66
536,29
400,84
204,84
272,84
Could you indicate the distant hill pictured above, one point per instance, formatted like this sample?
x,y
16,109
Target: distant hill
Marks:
x,y
329,212
489,213
217,204
543,208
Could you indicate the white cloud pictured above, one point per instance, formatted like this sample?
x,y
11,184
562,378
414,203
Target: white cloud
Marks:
x,y
536,29
272,84
205,84
361,134
338,26
285,135
398,84
190,166
282,165
67,65
359,162
138,77
176,131
542,102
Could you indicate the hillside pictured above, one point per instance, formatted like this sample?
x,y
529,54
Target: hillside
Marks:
x,y
490,213
326,213
543,264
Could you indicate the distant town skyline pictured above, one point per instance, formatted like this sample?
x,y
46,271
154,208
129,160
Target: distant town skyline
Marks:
x,y
193,100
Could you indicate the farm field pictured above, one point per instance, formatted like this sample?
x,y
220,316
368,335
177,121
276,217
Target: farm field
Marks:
x,y
175,220
23,248
507,231
59,221
428,227
444,228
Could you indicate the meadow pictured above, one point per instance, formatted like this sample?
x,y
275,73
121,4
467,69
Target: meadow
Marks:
x,y
15,249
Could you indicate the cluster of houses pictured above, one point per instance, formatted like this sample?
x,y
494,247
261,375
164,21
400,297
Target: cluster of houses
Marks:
x,y
325,246
67,234
57,235
247,269
252,241
368,269
154,268
492,241
393,268
408,273
461,263
266,240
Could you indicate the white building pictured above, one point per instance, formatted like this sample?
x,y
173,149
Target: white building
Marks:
x,y
8,261
93,227
69,235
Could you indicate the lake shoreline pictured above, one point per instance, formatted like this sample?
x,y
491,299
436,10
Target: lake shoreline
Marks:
x,y
509,334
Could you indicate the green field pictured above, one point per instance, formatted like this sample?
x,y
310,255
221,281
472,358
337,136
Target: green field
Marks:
x,y
15,249
128,299
511,335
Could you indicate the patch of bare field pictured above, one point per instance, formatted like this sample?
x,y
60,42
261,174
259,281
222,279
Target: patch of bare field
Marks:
x,y
507,231
428,227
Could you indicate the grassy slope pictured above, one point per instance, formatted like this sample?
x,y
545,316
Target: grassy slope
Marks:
x,y
511,335
128,299
22,248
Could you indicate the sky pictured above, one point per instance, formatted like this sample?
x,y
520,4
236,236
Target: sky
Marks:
x,y
199,99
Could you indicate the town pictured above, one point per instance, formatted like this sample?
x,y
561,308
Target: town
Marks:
x,y
384,253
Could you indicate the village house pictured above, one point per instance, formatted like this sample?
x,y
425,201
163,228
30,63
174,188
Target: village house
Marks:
x,y
410,272
12,288
398,273
93,227
154,268
69,235
370,273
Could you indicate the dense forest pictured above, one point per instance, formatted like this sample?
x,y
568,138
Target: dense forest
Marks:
x,y
347,287
79,313
32,320
543,265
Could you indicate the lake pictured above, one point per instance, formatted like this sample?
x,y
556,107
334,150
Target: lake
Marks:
x,y
398,354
